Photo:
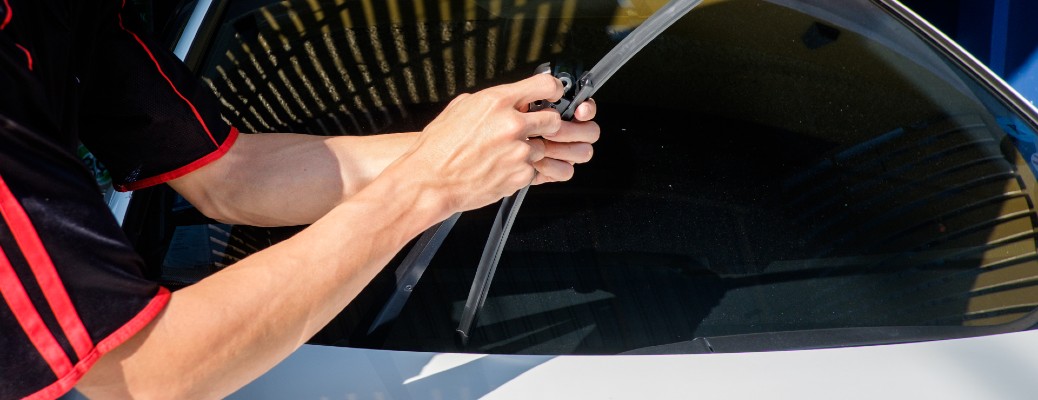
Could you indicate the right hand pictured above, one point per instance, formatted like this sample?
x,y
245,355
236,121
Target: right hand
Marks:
x,y
476,151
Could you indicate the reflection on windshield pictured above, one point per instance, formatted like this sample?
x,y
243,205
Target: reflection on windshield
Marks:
x,y
764,166
355,67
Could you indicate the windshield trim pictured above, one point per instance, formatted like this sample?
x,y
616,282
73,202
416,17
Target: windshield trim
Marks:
x,y
833,338
970,64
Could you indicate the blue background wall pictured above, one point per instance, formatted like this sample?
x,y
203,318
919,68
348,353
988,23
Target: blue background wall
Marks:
x,y
1001,33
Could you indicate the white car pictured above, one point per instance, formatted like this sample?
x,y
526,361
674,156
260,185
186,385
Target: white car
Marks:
x,y
790,199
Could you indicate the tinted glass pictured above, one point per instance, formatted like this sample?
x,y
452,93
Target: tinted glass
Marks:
x,y
764,166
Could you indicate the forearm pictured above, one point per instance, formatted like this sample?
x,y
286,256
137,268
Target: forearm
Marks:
x,y
289,179
217,335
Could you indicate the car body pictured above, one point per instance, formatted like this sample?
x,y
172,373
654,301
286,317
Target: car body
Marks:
x,y
835,194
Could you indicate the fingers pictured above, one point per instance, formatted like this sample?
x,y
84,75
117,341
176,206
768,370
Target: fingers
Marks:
x,y
537,87
554,161
572,153
586,110
587,132
569,153
537,150
542,123
548,124
552,170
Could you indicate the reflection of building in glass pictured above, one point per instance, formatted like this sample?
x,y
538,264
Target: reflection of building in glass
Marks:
x,y
330,67
938,201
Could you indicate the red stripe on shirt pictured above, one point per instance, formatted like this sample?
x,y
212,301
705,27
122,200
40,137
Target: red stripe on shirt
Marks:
x,y
43,269
163,73
28,55
179,172
21,306
7,18
121,335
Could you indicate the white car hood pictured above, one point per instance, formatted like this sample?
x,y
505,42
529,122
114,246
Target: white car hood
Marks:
x,y
992,367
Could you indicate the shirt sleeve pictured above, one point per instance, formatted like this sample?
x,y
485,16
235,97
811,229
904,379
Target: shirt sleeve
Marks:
x,y
71,284
144,114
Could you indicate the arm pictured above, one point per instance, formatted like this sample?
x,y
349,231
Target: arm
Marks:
x,y
228,329
261,179
224,331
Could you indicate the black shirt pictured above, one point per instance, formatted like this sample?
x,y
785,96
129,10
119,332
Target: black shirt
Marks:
x,y
76,71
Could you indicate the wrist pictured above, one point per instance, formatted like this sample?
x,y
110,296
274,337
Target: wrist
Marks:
x,y
405,181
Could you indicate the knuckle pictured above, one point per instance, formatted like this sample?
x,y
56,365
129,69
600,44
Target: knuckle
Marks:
x,y
536,146
546,79
553,82
481,95
528,174
521,178
536,153
546,147
458,99
496,97
513,123
555,122
522,153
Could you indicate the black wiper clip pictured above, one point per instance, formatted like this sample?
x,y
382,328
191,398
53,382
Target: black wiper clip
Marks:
x,y
575,91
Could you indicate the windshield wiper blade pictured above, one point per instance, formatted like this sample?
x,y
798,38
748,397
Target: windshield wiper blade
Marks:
x,y
411,269
576,93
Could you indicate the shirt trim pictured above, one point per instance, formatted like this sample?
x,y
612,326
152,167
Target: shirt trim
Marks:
x,y
120,336
232,136
28,55
190,105
43,270
7,18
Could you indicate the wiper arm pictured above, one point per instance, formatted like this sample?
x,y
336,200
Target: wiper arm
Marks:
x,y
411,269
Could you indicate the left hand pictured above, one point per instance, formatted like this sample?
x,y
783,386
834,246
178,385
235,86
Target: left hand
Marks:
x,y
555,155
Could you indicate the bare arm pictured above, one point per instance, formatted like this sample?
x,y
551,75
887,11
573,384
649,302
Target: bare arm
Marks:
x,y
224,331
228,329
290,179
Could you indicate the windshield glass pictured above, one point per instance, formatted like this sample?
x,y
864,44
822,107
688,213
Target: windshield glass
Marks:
x,y
765,166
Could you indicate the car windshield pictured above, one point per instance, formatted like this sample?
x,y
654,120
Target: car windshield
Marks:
x,y
764,167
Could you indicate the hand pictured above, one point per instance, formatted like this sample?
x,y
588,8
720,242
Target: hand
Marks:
x,y
570,145
477,150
